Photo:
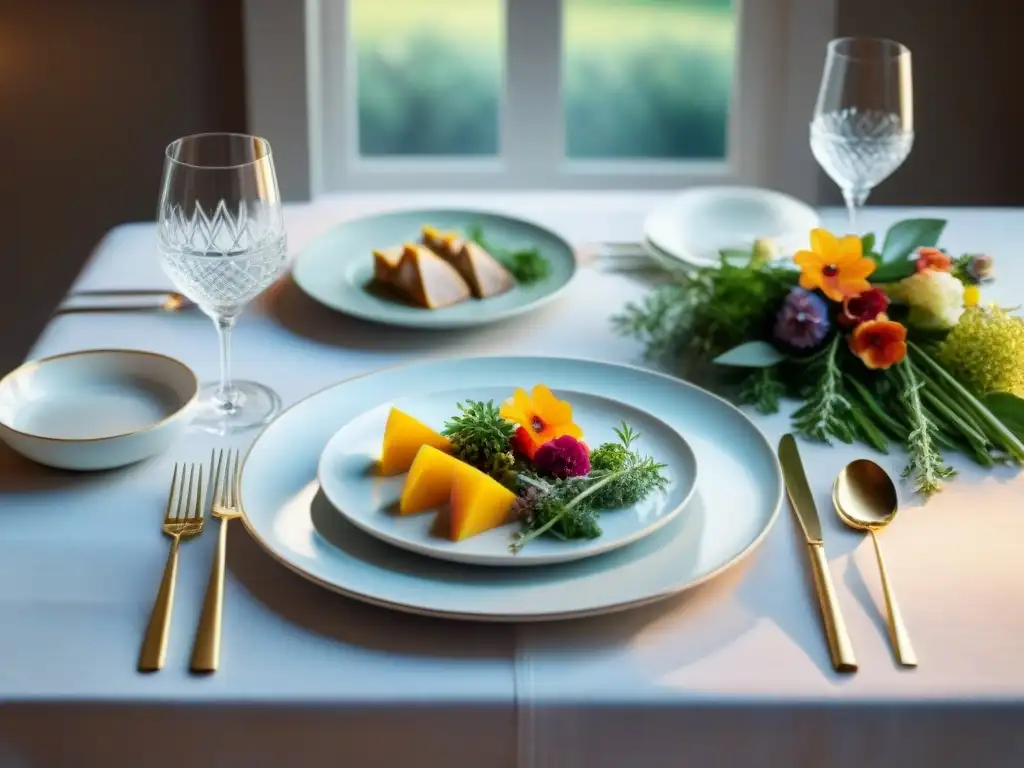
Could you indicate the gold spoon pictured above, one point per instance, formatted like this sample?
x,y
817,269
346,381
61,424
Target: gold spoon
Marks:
x,y
865,499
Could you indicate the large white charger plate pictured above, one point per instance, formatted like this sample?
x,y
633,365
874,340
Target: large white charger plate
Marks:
x,y
348,477
695,225
337,268
737,500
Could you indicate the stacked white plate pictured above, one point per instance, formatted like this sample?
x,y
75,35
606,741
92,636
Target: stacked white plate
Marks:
x,y
311,499
694,226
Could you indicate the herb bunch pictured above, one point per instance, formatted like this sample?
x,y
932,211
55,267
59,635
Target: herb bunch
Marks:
x,y
526,265
481,437
709,310
620,476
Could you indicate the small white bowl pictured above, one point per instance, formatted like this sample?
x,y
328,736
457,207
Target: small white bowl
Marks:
x,y
96,409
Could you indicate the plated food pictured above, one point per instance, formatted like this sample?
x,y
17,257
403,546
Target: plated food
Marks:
x,y
312,494
522,463
447,268
341,271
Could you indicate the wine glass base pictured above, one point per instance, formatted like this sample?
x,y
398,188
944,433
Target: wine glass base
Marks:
x,y
254,405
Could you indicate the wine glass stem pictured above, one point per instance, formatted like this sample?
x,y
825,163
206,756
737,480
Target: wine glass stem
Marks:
x,y
226,392
854,200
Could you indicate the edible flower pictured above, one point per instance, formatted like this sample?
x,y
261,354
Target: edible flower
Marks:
x,y
980,268
933,258
985,351
936,299
563,457
541,418
835,266
879,343
860,309
802,321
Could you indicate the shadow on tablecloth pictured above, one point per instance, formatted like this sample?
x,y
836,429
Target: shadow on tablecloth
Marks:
x,y
286,304
326,613
20,475
659,641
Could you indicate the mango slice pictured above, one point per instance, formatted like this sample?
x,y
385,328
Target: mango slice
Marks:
x,y
485,275
385,262
427,279
429,483
478,503
403,437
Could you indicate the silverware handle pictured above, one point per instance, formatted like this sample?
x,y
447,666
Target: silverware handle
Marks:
x,y
109,309
123,292
206,650
154,643
898,633
839,646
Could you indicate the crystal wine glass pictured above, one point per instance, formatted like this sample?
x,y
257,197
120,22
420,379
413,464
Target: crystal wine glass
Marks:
x,y
863,125
222,241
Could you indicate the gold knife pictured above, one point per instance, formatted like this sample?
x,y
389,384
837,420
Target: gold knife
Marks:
x,y
800,496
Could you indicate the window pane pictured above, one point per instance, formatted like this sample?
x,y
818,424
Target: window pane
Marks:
x,y
648,78
429,76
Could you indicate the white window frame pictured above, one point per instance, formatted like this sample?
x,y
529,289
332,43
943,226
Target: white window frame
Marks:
x,y
301,83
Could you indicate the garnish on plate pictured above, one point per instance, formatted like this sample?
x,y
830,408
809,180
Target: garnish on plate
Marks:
x,y
555,486
482,438
569,508
540,417
527,265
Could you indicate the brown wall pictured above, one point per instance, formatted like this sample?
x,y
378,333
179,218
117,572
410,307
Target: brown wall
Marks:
x,y
967,66
90,94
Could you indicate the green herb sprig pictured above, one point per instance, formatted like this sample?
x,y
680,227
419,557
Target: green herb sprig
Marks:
x,y
480,437
620,476
526,265
709,309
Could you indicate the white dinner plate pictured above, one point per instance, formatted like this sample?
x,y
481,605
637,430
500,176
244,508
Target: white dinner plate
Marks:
x,y
737,500
337,268
348,477
695,225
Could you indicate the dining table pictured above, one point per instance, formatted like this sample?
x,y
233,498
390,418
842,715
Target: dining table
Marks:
x,y
734,672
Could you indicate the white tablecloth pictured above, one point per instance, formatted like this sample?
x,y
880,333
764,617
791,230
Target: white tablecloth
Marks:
x,y
733,673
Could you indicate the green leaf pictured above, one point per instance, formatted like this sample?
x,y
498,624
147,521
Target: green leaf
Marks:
x,y
892,271
735,255
1008,408
904,236
753,354
868,242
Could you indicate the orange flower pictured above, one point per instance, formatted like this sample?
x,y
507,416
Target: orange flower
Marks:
x,y
541,417
836,266
879,343
933,258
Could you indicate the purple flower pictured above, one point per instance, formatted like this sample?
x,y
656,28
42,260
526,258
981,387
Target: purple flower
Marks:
x,y
802,321
980,267
564,456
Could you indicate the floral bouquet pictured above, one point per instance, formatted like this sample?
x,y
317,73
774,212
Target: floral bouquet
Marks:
x,y
886,345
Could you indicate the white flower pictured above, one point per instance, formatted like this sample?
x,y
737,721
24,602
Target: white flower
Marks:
x,y
936,299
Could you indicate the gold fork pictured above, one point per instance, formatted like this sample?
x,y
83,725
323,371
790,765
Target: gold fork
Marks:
x,y
182,520
206,651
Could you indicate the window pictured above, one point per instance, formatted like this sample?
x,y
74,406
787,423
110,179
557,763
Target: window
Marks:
x,y
649,79
527,94
428,76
